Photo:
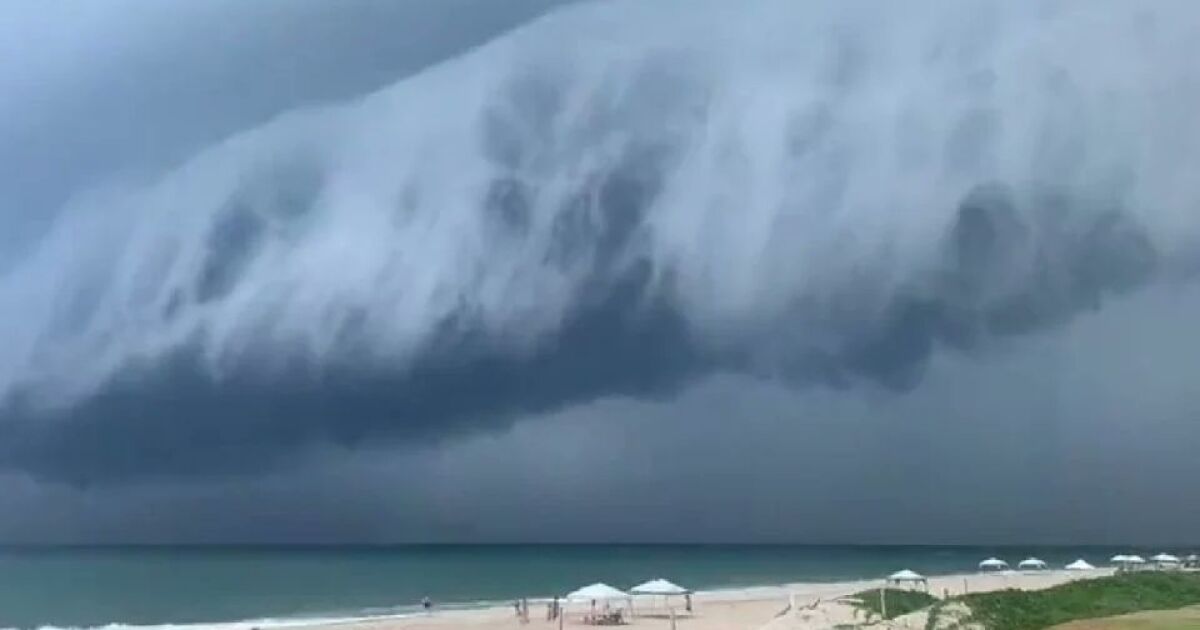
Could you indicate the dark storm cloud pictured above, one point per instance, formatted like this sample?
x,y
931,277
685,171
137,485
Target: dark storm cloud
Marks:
x,y
1073,438
170,417
602,204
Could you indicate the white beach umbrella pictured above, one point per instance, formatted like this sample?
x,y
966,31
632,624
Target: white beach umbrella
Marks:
x,y
598,592
1031,563
1080,565
1119,559
993,563
659,587
1165,558
1135,559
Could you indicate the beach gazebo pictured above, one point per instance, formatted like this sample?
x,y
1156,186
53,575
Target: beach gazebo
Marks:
x,y
1032,564
1192,561
662,588
1166,561
993,564
1080,565
1130,562
908,578
600,598
1125,561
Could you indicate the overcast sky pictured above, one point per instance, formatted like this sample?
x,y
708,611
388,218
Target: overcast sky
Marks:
x,y
467,270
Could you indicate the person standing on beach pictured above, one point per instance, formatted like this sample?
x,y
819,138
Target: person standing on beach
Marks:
x,y
426,604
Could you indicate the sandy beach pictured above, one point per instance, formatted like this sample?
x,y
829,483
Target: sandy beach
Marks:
x,y
806,606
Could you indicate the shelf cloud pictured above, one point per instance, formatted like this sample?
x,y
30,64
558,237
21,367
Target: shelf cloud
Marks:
x,y
614,200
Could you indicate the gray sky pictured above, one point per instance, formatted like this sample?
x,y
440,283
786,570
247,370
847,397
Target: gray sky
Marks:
x,y
128,88
383,271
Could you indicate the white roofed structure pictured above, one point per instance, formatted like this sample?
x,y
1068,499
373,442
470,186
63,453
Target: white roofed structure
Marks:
x,y
1166,560
659,587
600,598
909,577
1124,561
598,592
1080,565
1032,564
906,576
993,563
665,589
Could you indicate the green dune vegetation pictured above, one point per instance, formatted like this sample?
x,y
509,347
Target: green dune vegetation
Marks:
x,y
1083,600
899,602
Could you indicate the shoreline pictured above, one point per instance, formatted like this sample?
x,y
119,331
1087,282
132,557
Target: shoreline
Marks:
x,y
269,588
811,604
799,605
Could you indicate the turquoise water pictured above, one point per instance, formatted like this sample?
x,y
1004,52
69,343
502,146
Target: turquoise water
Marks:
x,y
85,587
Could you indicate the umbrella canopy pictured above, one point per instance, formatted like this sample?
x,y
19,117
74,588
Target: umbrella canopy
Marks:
x,y
993,563
1031,563
1165,558
659,587
1192,558
906,576
1119,558
596,592
1080,565
1135,560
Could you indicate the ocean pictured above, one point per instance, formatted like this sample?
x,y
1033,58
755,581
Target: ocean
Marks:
x,y
78,587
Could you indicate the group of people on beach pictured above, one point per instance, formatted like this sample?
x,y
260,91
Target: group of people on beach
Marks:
x,y
521,607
